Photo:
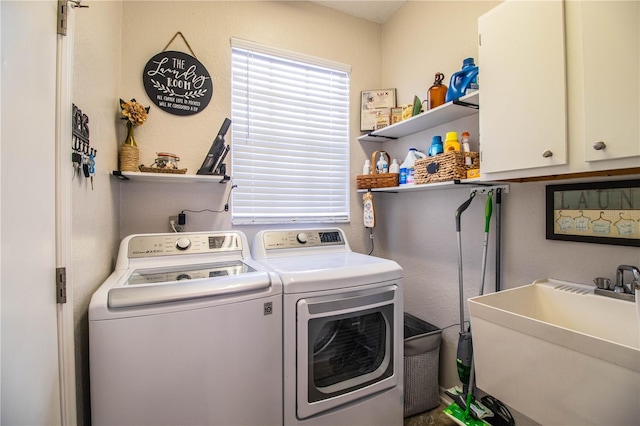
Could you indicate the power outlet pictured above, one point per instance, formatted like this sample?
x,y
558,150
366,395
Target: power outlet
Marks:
x,y
173,225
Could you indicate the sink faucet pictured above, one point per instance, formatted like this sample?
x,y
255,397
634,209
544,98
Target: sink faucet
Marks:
x,y
630,287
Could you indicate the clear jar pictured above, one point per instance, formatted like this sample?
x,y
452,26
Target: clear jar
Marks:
x,y
166,160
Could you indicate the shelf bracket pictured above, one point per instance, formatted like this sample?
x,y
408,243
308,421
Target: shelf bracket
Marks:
x,y
381,136
466,104
119,175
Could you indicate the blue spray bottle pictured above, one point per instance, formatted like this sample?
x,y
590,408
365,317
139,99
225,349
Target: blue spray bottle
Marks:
x,y
461,81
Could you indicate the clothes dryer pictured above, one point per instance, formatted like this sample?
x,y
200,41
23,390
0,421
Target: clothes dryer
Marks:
x,y
187,330
343,329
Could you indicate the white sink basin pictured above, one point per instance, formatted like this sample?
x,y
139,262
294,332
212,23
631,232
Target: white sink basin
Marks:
x,y
558,353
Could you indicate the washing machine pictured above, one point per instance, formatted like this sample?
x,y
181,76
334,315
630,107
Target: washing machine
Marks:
x,y
343,329
187,330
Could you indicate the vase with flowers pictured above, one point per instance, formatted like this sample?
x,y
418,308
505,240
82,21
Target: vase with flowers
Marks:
x,y
135,115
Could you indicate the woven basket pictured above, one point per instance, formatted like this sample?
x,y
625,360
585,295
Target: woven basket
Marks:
x,y
162,170
377,180
446,166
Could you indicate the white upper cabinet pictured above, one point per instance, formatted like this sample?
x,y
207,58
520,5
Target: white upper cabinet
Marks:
x,y
611,44
523,106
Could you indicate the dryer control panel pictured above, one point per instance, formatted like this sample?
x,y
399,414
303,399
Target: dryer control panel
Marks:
x,y
302,238
183,243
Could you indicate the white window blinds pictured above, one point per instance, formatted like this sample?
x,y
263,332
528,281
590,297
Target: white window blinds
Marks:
x,y
290,146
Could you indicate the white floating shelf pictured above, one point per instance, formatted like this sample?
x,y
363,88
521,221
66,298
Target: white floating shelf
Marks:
x,y
454,110
168,177
474,183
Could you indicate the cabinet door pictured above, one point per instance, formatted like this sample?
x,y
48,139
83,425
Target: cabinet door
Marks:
x,y
523,119
611,45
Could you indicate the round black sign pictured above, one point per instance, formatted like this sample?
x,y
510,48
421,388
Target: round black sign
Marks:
x,y
177,83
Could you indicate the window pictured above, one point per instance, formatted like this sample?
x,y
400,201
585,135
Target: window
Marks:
x,y
290,147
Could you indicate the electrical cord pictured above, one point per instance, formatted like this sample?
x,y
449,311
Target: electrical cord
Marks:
x,y
452,325
371,237
226,206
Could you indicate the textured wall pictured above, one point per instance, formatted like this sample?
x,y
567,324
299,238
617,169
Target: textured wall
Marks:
x,y
417,229
302,27
114,41
95,230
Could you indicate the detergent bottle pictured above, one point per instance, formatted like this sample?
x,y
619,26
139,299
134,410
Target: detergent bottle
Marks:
x,y
463,80
451,142
406,168
436,146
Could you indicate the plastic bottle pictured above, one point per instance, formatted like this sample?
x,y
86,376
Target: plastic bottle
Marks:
x,y
382,166
451,142
466,148
394,167
366,169
469,63
436,146
437,92
466,78
406,168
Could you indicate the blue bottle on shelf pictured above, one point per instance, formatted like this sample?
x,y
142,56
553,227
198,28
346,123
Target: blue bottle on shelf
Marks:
x,y
463,80
436,146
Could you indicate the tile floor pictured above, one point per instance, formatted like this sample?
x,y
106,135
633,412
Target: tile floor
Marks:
x,y
434,417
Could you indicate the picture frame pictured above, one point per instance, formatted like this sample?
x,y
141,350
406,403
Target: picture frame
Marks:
x,y
372,102
605,212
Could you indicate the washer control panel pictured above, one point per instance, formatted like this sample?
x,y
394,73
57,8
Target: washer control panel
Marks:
x,y
301,239
183,243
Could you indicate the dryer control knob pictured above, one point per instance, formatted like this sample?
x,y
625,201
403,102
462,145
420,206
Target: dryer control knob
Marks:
x,y
302,238
183,243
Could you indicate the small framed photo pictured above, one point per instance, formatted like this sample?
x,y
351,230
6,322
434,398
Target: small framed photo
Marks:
x,y
371,102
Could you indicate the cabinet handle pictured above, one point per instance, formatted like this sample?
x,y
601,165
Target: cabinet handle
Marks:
x,y
598,146
547,154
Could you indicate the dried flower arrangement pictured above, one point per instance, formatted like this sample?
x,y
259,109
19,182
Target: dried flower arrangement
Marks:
x,y
135,113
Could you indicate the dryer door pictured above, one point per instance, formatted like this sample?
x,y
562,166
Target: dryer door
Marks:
x,y
346,348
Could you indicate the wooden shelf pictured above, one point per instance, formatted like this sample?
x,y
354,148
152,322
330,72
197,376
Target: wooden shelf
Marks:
x,y
169,177
454,110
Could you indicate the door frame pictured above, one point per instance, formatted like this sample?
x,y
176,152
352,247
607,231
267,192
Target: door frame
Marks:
x,y
64,175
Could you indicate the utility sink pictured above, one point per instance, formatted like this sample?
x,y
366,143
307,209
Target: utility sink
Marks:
x,y
558,353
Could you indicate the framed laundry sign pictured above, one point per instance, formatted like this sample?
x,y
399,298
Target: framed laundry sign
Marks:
x,y
596,212
177,82
373,103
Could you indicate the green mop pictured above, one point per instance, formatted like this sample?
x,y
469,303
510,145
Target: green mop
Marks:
x,y
466,410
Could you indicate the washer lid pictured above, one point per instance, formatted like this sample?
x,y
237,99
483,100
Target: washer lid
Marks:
x,y
188,272
171,284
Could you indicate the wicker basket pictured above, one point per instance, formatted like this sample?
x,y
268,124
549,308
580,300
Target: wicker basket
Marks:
x,y
377,180
446,166
162,170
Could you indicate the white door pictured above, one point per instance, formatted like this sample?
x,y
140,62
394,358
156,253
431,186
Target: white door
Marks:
x,y
30,391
